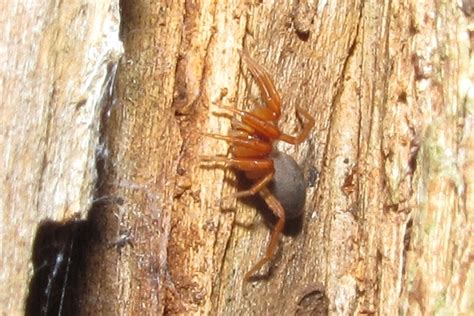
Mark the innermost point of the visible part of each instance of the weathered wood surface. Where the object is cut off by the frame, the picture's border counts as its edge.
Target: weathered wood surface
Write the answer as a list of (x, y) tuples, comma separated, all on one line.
[(54, 70), (388, 222)]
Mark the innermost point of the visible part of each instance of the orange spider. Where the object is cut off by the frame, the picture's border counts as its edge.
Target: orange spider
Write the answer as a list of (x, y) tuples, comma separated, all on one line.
[(276, 176)]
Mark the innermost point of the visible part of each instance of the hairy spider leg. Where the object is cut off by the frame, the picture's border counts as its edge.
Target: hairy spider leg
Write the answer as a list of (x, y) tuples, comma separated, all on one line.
[(306, 128), (267, 88), (279, 212)]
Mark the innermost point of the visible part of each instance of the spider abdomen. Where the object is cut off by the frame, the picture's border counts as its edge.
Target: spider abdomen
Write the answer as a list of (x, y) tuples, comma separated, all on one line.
[(288, 184)]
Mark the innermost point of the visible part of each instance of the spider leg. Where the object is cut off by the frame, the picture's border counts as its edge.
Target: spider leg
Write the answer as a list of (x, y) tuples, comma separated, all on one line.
[(245, 146), (257, 187), (306, 128), (241, 128), (249, 165), (244, 164), (237, 125), (259, 125), (267, 88), (278, 210)]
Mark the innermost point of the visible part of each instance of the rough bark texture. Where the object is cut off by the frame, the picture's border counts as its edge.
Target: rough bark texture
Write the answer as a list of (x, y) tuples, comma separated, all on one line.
[(55, 63), (387, 228)]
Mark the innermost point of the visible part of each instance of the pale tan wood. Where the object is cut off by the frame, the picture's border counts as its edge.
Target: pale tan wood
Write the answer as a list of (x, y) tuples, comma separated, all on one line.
[(54, 71)]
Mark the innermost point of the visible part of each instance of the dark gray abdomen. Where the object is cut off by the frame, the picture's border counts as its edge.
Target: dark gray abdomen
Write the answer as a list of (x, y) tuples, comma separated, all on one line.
[(288, 184)]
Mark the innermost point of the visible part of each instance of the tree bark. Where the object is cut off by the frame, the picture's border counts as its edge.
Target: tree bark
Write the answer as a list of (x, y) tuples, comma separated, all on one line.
[(388, 219)]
